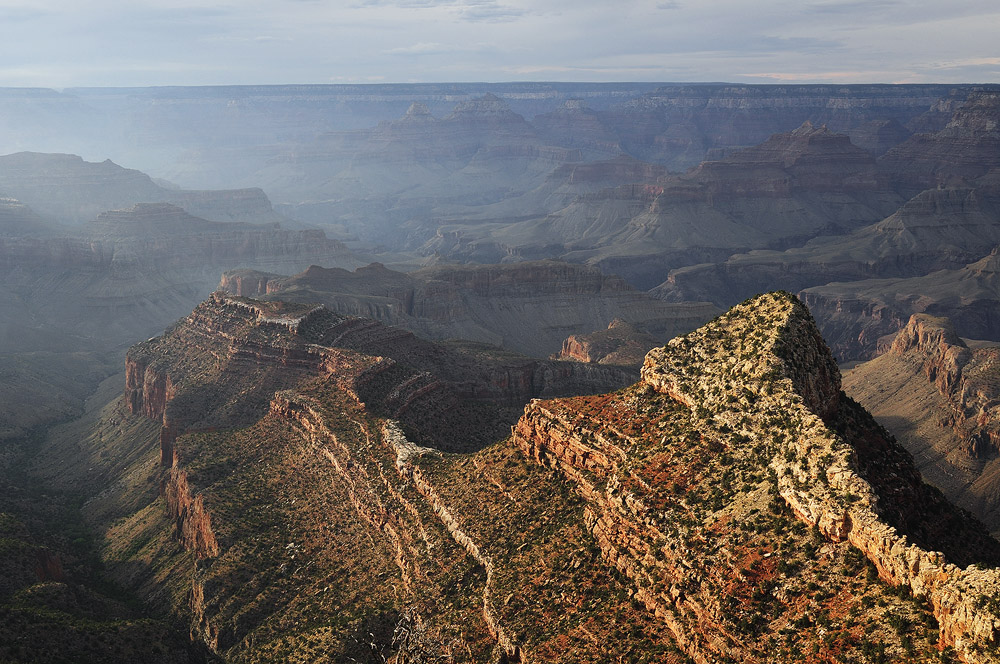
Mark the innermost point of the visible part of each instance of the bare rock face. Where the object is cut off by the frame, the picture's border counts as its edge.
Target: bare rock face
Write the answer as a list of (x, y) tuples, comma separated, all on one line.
[(528, 307), (860, 318), (622, 343), (938, 396), (964, 150), (936, 338)]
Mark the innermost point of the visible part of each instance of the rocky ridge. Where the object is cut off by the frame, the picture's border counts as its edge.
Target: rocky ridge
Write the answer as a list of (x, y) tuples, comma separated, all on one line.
[(302, 473), (412, 380), (761, 364), (293, 365)]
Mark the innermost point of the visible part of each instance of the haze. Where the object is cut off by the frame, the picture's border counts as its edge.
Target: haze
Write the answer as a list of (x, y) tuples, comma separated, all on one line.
[(55, 43)]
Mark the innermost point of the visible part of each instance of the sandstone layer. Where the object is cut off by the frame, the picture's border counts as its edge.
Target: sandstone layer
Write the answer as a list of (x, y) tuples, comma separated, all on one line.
[(622, 343)]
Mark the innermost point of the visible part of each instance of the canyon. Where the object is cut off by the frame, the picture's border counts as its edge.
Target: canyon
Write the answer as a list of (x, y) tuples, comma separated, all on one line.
[(466, 389), (689, 515), (529, 307)]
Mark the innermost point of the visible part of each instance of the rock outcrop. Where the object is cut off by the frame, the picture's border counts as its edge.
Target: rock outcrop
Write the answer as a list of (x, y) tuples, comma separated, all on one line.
[(528, 307), (860, 318), (938, 395), (622, 344), (761, 373)]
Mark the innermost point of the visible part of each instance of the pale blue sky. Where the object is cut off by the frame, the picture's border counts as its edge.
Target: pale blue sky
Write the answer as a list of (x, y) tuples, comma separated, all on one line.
[(58, 43)]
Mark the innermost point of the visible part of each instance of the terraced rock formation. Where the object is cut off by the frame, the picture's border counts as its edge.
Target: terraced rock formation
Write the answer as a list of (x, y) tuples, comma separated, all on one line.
[(732, 505), (795, 185), (965, 149), (861, 318), (939, 229), (291, 378), (863, 286), (938, 395), (529, 307), (759, 398)]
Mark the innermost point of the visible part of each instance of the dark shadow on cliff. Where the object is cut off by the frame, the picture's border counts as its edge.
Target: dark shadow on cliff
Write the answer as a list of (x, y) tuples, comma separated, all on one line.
[(915, 509)]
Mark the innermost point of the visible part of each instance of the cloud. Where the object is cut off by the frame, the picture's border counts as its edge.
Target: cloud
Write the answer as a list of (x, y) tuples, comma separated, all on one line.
[(406, 4), (21, 14), (101, 42), (968, 62), (852, 7), (489, 11), (467, 10), (807, 77), (421, 48)]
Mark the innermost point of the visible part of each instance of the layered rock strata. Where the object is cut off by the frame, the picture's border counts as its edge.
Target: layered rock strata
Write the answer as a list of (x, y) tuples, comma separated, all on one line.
[(242, 379), (529, 307), (938, 229), (681, 505), (622, 344), (861, 318), (762, 373), (938, 395)]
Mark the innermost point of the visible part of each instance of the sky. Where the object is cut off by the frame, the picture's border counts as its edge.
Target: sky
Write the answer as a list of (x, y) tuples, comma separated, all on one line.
[(67, 43)]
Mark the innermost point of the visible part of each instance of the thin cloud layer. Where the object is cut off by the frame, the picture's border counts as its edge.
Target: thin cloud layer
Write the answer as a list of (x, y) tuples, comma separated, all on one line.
[(54, 43)]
